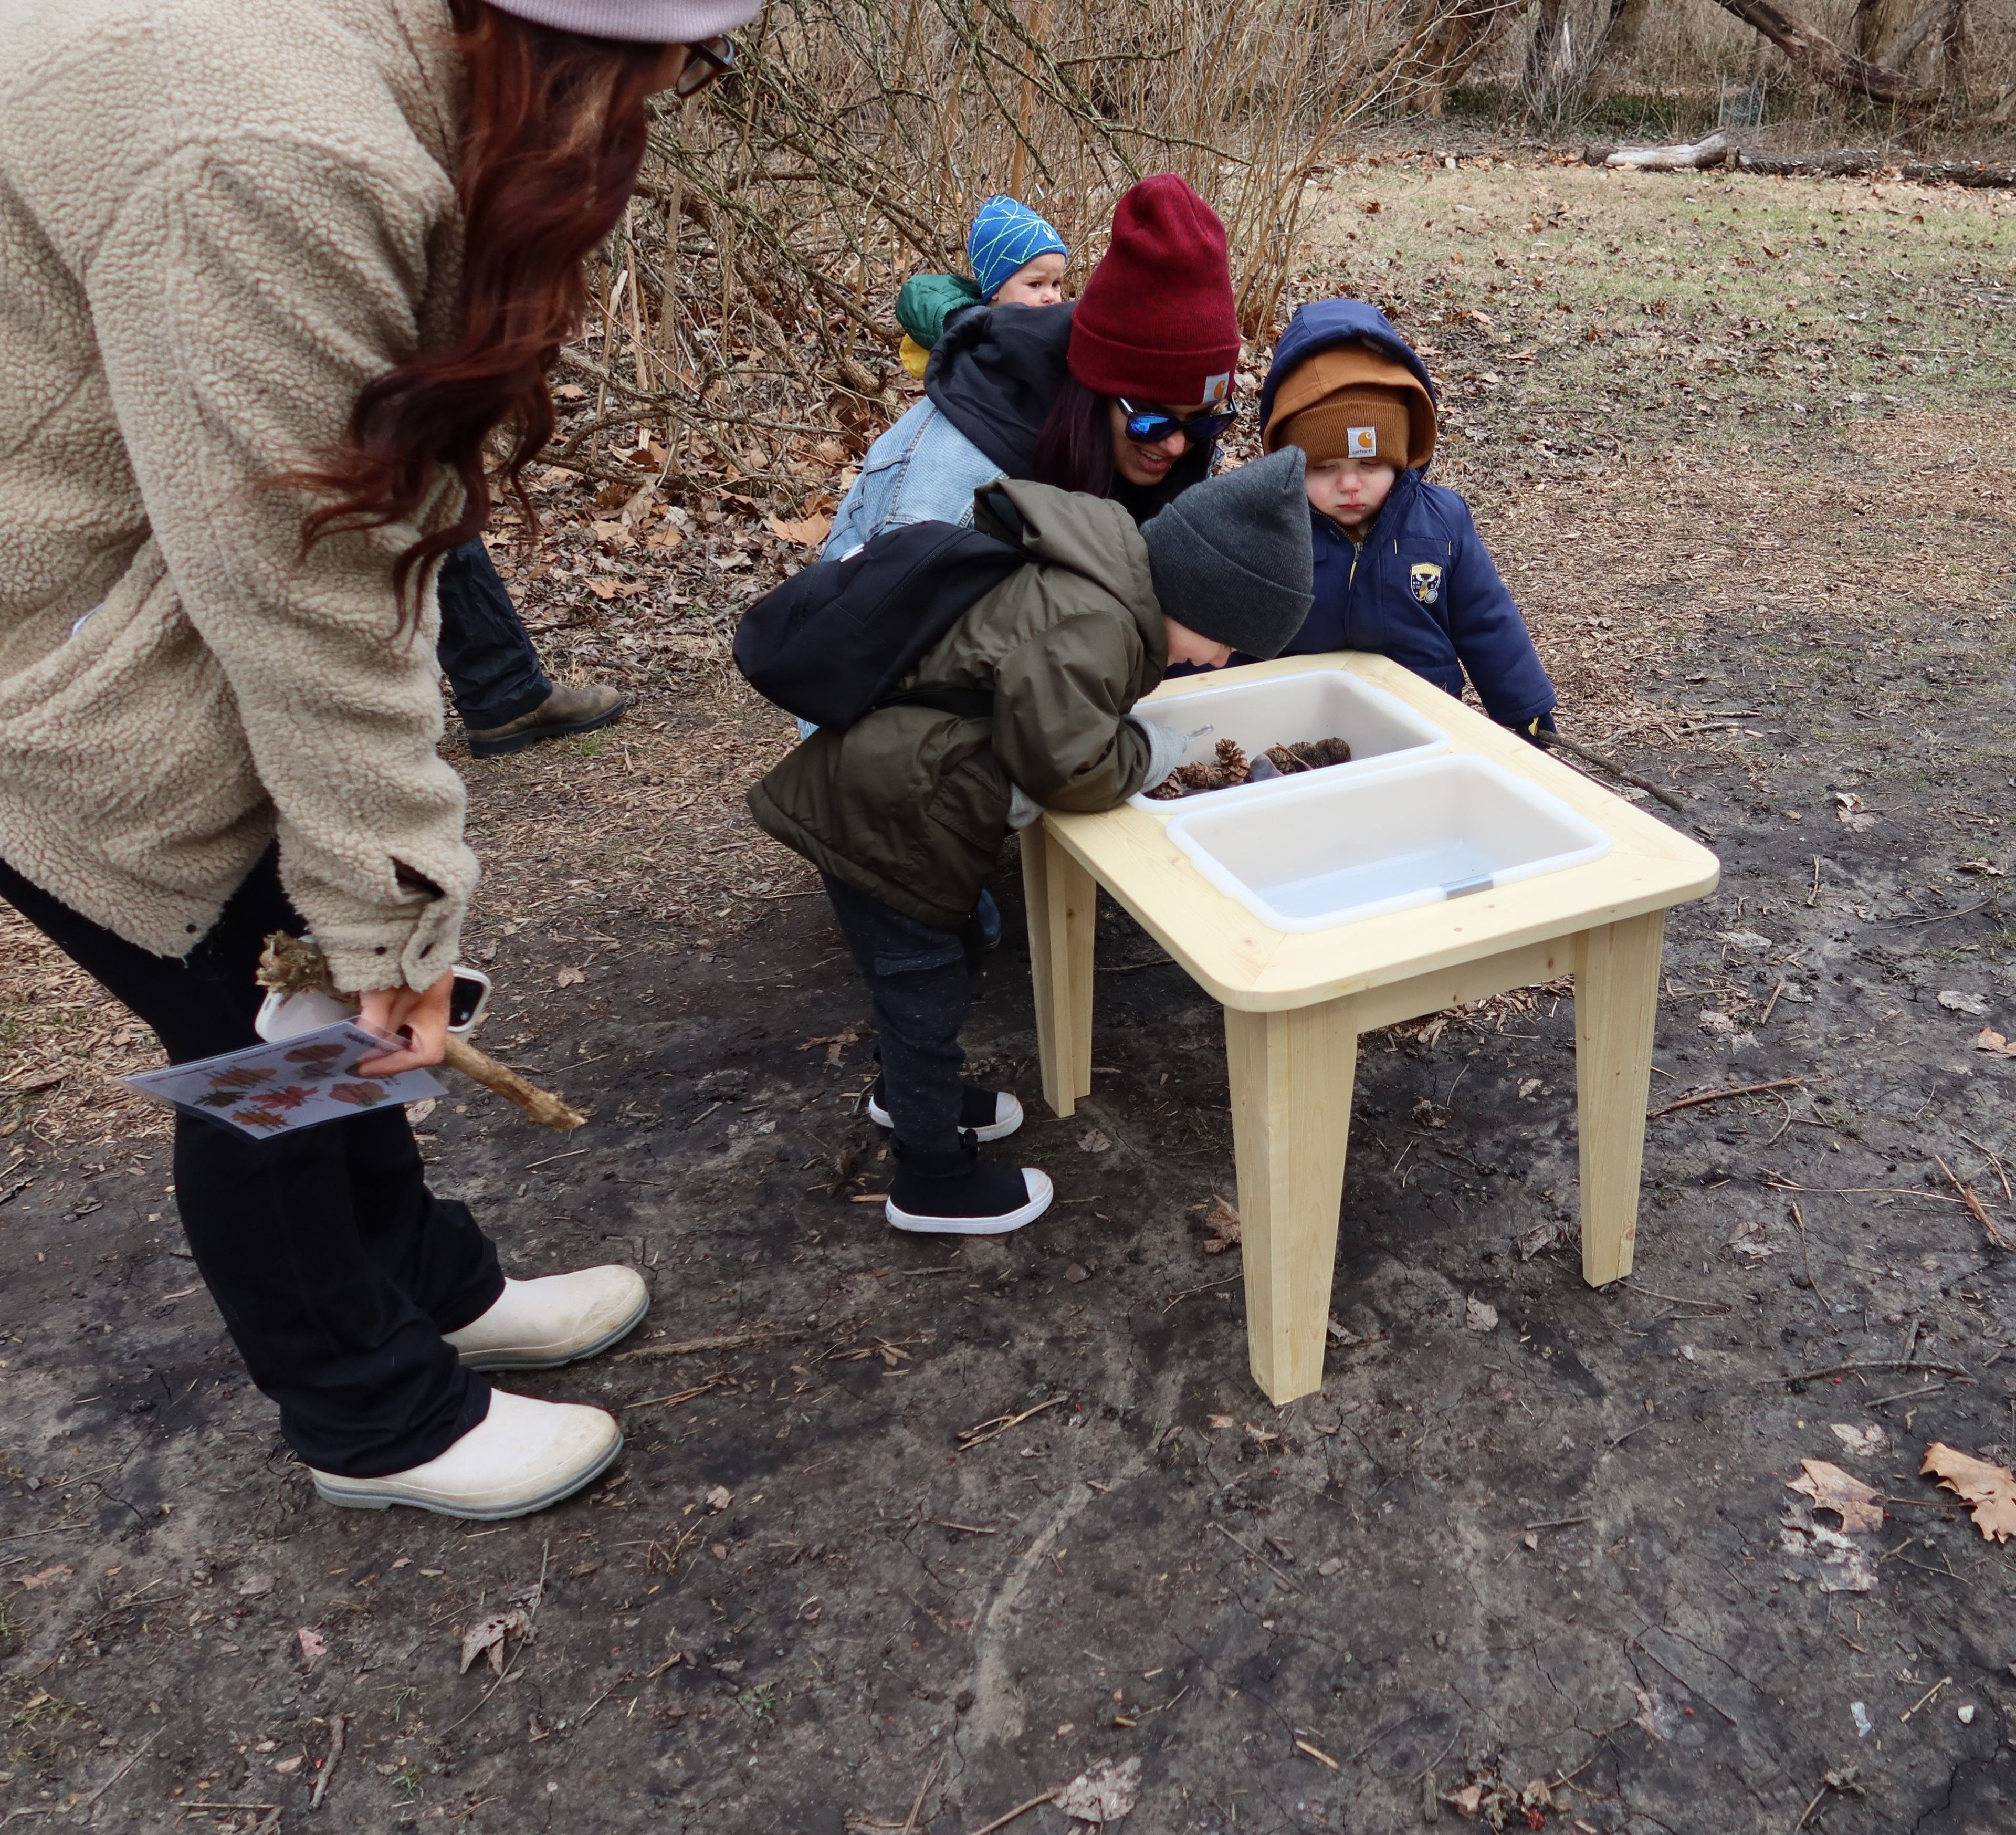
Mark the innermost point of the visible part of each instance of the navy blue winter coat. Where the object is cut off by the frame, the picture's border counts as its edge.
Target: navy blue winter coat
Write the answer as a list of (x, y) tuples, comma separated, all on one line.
[(1421, 588)]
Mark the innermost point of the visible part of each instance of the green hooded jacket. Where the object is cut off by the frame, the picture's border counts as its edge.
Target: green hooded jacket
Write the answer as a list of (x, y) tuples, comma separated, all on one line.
[(911, 805)]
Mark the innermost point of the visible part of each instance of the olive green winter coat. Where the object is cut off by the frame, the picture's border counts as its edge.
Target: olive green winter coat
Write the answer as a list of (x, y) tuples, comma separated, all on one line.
[(910, 805)]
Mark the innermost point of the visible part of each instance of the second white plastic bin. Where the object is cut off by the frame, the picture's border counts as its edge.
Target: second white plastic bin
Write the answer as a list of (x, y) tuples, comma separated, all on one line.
[(1329, 848)]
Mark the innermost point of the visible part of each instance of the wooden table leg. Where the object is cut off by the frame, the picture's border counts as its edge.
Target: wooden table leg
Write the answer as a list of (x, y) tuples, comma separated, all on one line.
[(1617, 998), (1291, 1079), (1062, 897)]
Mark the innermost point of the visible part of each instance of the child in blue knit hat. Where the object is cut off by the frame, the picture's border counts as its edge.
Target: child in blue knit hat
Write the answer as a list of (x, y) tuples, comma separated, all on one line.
[(1018, 260)]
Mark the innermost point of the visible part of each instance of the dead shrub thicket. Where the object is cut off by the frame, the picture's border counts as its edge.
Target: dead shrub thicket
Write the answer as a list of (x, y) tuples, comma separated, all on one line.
[(746, 322)]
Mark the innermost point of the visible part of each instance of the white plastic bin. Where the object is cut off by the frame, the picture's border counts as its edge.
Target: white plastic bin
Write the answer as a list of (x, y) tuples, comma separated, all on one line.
[(1328, 848), (1381, 729)]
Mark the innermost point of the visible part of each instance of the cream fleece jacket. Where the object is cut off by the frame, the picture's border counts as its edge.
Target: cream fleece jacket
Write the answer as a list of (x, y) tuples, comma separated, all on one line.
[(219, 220)]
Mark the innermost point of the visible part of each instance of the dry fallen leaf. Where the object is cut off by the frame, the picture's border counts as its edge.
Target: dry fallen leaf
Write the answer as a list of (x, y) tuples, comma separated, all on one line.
[(1990, 1489), (486, 1638), (313, 1645), (1955, 1000), (720, 1498), (56, 1576), (569, 977), (1868, 1442), (1103, 1793), (1832, 1489), (1992, 1041), (1095, 1140), (1222, 1221), (1480, 1315), (807, 532)]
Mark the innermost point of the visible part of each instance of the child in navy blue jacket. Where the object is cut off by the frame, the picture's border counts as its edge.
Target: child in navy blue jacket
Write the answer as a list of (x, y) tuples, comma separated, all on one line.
[(1400, 568)]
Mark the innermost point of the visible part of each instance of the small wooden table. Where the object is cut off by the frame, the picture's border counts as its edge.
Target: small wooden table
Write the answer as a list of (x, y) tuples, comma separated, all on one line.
[(1295, 1003)]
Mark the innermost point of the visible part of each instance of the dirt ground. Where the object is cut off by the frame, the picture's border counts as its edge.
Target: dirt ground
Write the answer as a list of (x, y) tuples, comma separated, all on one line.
[(932, 1526)]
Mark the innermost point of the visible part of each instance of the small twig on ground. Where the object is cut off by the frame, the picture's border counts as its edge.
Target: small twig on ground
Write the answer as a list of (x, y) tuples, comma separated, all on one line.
[(1020, 1809), (1770, 1006), (337, 1728), (1255, 1555), (1994, 1159), (983, 1431), (1677, 1299), (138, 1753), (693, 1347), (674, 1401), (1209, 1287), (1846, 1370), (1813, 897), (1318, 1754), (1974, 1207), (1718, 1096), (525, 1637), (1806, 1253), (923, 1790), (1944, 1681)]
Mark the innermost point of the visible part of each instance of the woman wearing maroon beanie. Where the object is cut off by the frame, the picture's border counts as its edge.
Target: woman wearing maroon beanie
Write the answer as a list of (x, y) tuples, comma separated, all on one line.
[(1122, 395)]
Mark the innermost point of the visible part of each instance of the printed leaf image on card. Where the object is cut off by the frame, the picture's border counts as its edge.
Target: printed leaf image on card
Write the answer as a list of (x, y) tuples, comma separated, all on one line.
[(273, 1089)]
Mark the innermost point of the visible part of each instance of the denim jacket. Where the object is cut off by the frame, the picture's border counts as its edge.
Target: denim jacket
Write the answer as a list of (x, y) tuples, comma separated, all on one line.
[(923, 470)]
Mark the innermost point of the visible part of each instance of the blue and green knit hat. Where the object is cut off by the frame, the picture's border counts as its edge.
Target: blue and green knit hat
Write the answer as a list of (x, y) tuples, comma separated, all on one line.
[(1007, 234)]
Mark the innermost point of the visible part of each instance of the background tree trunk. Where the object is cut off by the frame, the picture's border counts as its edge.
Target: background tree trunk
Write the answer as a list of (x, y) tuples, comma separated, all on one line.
[(1877, 23), (1451, 35), (1620, 35), (1821, 60), (1540, 49)]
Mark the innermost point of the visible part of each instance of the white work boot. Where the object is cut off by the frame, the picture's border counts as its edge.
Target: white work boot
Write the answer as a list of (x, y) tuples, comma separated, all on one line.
[(538, 1325), (523, 1455)]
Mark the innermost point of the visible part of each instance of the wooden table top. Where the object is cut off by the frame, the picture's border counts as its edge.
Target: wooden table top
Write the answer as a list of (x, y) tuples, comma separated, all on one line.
[(1244, 963)]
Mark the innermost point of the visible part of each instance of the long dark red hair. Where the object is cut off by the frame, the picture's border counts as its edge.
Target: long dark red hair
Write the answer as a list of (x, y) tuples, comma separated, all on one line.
[(553, 132)]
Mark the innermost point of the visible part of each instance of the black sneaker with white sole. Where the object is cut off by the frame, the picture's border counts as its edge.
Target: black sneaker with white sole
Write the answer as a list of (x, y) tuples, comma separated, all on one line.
[(986, 1114), (953, 1195)]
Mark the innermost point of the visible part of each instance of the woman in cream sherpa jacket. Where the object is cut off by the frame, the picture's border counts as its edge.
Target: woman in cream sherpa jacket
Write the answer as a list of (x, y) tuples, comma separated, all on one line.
[(220, 219)]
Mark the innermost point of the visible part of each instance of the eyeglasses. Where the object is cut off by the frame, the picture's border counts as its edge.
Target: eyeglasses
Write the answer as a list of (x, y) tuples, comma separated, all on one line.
[(705, 61), (1150, 427)]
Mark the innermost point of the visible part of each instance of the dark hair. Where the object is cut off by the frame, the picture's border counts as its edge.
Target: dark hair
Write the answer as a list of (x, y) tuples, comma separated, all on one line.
[(1074, 449), (553, 133)]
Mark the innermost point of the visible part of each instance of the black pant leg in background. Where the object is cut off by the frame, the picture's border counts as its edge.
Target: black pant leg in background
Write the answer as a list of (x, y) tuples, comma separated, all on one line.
[(335, 1268), (484, 650), (917, 977)]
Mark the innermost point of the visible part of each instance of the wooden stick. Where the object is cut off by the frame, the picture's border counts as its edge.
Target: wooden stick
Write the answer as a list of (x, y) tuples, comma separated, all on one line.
[(295, 965), (1974, 1207), (1718, 1096), (541, 1105), (1020, 1809), (1554, 741)]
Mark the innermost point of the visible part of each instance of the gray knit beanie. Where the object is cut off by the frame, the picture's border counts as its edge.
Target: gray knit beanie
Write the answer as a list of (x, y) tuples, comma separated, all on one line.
[(1233, 558), (645, 22)]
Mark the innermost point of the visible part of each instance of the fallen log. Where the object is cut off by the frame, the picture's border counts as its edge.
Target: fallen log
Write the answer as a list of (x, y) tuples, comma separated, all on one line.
[(1847, 162), (1855, 162), (1688, 157)]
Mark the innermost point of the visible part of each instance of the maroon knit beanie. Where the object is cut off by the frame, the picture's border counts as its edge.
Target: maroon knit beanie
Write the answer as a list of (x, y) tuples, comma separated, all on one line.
[(1155, 322)]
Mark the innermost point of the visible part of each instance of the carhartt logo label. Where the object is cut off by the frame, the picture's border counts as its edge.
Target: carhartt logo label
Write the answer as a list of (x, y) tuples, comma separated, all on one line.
[(1364, 442), (1216, 388)]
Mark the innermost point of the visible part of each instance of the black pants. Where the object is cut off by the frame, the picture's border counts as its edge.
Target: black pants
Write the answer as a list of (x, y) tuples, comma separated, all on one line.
[(335, 1268), (918, 979), (484, 650)]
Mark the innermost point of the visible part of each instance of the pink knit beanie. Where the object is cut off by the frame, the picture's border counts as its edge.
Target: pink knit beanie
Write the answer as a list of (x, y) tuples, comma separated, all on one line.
[(647, 22)]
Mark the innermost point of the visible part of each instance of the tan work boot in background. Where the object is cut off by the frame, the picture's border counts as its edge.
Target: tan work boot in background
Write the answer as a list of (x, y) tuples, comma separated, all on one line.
[(564, 711)]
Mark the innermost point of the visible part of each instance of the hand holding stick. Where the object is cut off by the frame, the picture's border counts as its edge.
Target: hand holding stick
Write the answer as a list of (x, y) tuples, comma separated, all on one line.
[(294, 965)]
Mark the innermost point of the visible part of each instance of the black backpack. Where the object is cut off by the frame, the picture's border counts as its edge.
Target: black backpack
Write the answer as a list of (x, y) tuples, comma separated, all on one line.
[(830, 644)]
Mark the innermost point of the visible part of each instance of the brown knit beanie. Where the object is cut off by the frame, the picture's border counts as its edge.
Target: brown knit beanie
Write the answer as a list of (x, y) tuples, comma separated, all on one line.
[(1349, 402)]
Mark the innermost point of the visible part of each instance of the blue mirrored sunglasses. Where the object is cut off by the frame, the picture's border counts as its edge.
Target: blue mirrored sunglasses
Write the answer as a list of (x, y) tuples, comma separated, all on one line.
[(1150, 427)]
